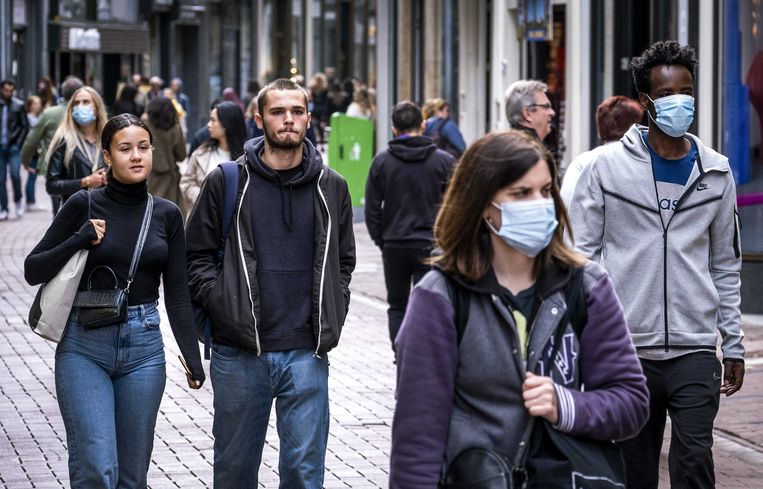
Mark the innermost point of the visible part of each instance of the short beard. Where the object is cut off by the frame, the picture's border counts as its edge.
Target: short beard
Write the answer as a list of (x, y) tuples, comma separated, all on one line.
[(284, 146)]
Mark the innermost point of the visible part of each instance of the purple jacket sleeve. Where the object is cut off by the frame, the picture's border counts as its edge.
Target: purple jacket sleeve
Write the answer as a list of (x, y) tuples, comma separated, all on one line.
[(426, 371), (615, 403)]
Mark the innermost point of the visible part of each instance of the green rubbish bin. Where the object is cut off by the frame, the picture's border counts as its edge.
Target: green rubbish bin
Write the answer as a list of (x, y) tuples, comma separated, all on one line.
[(351, 149)]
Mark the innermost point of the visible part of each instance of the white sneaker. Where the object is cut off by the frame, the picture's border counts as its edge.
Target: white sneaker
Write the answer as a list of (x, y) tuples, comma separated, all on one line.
[(19, 209), (3, 215), (34, 207)]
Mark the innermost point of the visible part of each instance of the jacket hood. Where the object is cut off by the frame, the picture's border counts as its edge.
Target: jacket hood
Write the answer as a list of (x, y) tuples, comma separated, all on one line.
[(312, 163), (412, 149), (551, 280), (633, 143)]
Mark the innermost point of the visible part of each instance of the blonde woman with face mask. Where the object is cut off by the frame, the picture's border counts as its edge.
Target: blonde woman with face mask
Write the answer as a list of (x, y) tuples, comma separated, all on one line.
[(75, 159)]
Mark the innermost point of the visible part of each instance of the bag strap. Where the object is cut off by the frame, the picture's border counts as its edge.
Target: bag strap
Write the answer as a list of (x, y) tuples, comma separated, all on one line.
[(230, 171), (460, 299), (141, 240), (576, 314)]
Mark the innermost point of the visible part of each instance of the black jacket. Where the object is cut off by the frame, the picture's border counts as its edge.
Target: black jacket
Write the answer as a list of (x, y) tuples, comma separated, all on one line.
[(18, 127), (231, 296), (404, 189), (64, 181)]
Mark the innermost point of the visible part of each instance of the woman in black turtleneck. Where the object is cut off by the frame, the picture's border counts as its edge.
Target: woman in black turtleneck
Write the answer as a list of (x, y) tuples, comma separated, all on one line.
[(110, 380)]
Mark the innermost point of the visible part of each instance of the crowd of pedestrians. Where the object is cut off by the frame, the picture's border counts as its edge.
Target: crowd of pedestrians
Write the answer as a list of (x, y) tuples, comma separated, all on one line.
[(523, 305)]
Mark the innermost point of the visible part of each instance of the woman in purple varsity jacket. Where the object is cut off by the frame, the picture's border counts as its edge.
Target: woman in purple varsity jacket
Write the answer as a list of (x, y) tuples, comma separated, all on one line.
[(500, 229)]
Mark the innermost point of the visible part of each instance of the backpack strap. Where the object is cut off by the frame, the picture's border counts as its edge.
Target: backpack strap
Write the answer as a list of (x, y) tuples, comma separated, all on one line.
[(460, 298), (574, 295), (230, 171)]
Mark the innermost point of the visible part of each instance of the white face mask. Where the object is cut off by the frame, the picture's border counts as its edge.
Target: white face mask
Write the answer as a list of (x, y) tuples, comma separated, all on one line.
[(527, 225), (675, 114)]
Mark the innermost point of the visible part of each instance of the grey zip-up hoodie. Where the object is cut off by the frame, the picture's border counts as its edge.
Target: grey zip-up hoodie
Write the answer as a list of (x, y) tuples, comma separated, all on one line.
[(678, 280)]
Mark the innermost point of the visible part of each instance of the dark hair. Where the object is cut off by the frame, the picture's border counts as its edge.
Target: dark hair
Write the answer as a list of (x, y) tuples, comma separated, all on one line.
[(119, 122), (70, 85), (7, 82), (232, 120), (491, 163), (279, 84), (661, 53), (161, 113), (406, 117), (46, 94), (615, 115)]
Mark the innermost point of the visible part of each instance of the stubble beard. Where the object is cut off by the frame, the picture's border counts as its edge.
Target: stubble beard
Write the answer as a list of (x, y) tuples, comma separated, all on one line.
[(274, 143)]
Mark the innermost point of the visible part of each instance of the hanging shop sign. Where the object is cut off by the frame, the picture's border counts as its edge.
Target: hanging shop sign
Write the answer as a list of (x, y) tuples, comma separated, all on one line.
[(84, 39), (537, 20)]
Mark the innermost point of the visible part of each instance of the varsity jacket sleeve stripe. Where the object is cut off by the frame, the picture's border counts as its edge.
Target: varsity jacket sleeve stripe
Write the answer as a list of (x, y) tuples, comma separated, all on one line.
[(725, 266)]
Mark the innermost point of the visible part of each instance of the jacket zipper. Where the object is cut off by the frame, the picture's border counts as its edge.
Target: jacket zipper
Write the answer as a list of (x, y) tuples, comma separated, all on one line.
[(665, 228), (241, 256), (500, 305), (323, 265)]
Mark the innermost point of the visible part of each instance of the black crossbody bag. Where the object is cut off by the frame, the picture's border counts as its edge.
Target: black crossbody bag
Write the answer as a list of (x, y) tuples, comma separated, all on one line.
[(547, 458), (103, 307)]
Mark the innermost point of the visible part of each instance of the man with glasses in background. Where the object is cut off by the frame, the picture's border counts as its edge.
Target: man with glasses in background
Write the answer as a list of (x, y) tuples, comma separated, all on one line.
[(529, 109)]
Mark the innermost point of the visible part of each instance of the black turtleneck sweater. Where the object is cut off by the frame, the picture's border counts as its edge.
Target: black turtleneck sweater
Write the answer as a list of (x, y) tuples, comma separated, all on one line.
[(122, 207)]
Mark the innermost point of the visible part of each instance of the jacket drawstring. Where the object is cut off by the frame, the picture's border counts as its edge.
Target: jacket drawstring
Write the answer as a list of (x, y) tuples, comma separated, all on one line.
[(287, 220)]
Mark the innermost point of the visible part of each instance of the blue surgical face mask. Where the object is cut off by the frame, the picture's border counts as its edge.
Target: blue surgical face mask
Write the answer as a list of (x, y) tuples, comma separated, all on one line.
[(83, 114), (675, 114), (527, 225)]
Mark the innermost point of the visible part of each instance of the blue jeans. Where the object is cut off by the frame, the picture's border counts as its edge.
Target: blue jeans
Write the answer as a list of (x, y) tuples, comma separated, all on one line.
[(10, 158), (244, 387), (109, 383), (30, 181)]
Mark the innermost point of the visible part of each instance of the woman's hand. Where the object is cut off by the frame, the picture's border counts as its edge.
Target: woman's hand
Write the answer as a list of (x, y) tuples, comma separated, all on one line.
[(100, 230), (540, 397), (193, 384), (96, 179)]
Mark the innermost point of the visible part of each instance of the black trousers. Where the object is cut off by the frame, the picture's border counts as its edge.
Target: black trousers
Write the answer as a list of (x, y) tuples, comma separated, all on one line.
[(402, 268), (688, 388)]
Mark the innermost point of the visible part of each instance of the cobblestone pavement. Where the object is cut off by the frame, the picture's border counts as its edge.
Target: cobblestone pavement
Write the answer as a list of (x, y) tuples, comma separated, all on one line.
[(33, 441)]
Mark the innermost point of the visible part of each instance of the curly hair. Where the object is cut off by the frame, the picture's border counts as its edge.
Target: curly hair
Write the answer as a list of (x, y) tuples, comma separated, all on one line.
[(659, 54)]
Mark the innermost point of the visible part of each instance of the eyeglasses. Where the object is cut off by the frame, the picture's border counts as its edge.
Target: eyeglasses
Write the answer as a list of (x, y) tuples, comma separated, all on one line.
[(542, 106)]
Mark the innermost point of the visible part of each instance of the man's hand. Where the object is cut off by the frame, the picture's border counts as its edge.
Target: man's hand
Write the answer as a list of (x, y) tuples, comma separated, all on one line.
[(540, 397), (733, 376)]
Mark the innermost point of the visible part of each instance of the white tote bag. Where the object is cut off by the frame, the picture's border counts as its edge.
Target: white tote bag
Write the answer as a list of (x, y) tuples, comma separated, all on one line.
[(53, 303)]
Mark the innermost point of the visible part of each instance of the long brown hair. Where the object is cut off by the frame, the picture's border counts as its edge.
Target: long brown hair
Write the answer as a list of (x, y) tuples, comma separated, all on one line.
[(491, 163)]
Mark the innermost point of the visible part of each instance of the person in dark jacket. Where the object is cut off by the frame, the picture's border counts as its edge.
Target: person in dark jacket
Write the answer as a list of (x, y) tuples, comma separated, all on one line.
[(403, 192), (75, 156), (279, 298), (13, 130), (500, 229)]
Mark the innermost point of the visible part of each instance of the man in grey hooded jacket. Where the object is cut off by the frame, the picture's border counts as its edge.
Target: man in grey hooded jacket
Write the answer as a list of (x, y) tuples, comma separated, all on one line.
[(660, 207)]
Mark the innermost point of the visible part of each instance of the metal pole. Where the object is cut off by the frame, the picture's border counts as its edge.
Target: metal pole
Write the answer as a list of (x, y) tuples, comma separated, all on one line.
[(386, 63), (6, 39)]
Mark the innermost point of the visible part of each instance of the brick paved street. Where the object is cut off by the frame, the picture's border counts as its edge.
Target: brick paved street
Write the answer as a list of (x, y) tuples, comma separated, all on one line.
[(32, 436)]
